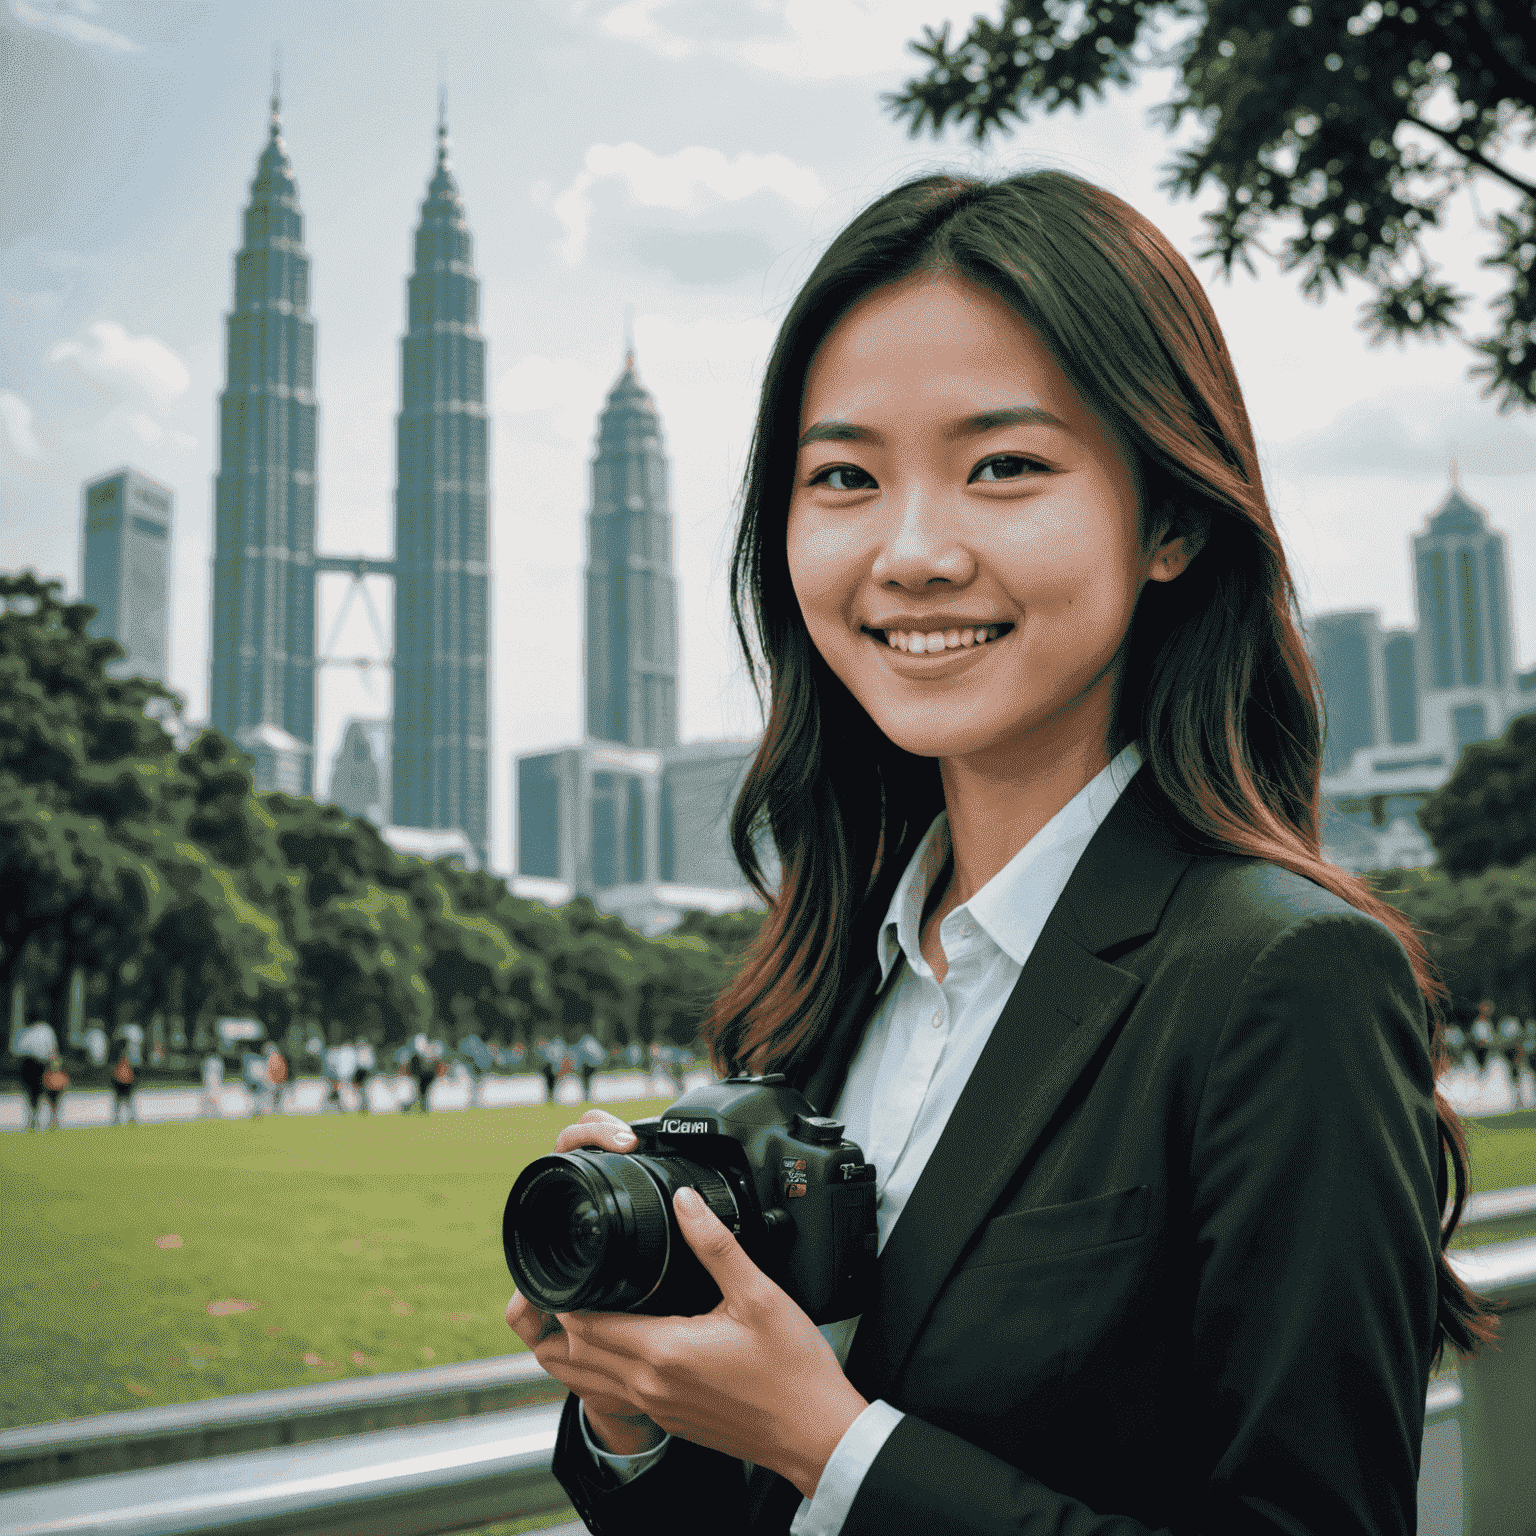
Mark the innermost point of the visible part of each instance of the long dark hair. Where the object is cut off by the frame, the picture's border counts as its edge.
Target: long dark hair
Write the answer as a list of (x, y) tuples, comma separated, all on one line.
[(1216, 686)]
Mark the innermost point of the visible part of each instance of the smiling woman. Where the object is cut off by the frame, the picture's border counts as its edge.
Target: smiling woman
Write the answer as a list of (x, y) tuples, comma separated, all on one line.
[(1144, 1080)]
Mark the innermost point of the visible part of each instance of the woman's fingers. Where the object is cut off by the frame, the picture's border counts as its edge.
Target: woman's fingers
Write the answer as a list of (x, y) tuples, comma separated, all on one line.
[(596, 1128), (546, 1341)]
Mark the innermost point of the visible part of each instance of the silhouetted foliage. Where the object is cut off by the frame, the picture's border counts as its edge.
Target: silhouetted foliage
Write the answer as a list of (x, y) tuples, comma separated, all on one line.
[(1485, 813), (1301, 110), (180, 891)]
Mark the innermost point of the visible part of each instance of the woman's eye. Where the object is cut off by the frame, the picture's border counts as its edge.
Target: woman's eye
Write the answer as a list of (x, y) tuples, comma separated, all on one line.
[(843, 477), (1005, 466)]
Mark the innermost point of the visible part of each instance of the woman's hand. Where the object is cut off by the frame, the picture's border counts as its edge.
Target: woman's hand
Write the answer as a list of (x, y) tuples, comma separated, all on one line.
[(614, 1419), (753, 1378)]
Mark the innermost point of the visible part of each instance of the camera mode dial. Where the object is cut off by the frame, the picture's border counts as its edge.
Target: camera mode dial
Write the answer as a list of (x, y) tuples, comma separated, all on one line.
[(819, 1130)]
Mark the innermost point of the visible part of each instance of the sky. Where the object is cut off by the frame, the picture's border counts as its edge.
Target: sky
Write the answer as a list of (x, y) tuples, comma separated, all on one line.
[(686, 158)]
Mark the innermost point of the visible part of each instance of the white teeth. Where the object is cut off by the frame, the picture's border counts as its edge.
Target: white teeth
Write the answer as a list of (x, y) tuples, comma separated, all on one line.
[(917, 643)]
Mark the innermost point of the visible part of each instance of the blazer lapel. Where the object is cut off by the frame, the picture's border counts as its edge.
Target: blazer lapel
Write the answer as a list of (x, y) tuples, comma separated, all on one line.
[(1066, 1003)]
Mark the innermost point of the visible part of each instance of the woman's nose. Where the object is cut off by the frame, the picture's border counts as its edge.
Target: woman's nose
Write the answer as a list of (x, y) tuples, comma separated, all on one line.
[(923, 542)]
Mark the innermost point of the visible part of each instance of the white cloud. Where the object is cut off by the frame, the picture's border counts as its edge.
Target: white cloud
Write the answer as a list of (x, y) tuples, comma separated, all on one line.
[(121, 366), (17, 420), (66, 18), (688, 181), (802, 39)]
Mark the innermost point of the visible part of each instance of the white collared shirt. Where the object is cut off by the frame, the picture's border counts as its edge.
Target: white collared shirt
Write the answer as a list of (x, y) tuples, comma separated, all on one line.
[(917, 1055)]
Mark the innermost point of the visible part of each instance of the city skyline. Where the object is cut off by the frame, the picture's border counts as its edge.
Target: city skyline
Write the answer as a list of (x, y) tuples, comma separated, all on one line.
[(693, 173)]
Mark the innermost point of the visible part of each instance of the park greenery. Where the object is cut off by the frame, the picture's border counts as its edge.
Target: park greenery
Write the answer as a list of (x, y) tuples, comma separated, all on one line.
[(1348, 126), (1476, 906), (179, 894)]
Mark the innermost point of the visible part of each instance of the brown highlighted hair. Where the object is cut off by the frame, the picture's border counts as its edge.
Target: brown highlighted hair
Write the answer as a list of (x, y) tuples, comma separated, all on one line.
[(1217, 686)]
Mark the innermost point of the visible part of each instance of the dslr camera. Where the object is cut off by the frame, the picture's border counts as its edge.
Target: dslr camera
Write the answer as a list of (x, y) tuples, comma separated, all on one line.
[(595, 1231)]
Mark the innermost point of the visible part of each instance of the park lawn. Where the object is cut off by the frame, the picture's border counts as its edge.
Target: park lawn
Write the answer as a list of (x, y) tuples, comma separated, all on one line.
[(370, 1243)]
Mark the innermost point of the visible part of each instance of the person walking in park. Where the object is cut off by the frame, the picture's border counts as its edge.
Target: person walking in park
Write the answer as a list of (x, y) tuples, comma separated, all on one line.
[(550, 1055), (55, 1081), (591, 1056), (277, 1076), (1482, 1033), (331, 1066), (1148, 1085), (362, 1072), (427, 1068), (36, 1046), (122, 1088), (213, 1085)]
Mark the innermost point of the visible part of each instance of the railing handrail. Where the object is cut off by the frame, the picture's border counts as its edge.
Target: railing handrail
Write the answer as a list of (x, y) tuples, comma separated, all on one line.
[(1496, 1204), (395, 1482), (424, 1478)]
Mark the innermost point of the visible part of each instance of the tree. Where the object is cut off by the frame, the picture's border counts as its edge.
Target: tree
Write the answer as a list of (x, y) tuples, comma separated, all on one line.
[(1351, 124), (1485, 813), (1480, 930)]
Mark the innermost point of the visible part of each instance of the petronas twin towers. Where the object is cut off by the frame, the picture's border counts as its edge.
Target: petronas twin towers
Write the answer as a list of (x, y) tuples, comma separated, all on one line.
[(265, 565)]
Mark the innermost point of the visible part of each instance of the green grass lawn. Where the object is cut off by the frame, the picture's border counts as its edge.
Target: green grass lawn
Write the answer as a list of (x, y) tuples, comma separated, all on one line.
[(367, 1244)]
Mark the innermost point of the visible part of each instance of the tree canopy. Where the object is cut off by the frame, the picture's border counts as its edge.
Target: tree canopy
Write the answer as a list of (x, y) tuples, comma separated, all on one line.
[(1350, 125), (175, 889), (1485, 813)]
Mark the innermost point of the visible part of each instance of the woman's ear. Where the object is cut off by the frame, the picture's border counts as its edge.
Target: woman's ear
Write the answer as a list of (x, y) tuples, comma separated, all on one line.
[(1179, 534)]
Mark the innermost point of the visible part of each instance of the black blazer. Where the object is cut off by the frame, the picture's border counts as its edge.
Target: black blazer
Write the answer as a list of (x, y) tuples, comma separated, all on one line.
[(1172, 1265)]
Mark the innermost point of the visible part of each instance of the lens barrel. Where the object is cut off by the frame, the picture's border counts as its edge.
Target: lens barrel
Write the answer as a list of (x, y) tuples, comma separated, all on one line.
[(595, 1231)]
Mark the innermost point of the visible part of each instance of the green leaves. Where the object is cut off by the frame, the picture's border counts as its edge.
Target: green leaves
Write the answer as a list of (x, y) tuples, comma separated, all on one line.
[(173, 883), (1348, 126), (1485, 813)]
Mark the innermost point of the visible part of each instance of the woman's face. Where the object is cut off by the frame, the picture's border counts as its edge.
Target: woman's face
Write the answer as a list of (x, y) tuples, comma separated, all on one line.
[(964, 531)]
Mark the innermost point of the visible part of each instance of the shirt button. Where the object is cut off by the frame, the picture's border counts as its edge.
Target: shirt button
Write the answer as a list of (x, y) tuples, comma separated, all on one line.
[(938, 1019)]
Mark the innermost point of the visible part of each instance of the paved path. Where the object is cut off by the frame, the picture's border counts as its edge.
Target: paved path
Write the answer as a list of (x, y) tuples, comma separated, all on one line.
[(1492, 1093), (306, 1096)]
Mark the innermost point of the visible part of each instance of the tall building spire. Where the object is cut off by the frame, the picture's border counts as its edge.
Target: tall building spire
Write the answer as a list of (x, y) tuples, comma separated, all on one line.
[(263, 645), (440, 742), (631, 619)]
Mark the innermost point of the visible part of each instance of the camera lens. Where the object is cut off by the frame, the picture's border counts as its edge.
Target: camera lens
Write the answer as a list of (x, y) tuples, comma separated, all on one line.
[(595, 1231)]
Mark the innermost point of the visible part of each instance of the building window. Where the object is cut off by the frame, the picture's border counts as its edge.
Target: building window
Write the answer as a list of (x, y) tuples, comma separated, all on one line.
[(1471, 651), (1470, 723), (1433, 594)]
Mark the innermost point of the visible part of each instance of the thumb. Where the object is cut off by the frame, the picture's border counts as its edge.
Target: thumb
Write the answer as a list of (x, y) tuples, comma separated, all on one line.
[(713, 1243)]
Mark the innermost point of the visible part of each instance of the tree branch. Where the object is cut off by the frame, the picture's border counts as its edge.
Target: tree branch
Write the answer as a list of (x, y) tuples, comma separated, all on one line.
[(1473, 156)]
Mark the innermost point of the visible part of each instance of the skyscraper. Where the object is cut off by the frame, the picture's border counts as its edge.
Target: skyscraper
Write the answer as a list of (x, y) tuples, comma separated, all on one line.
[(263, 643), (439, 770), (125, 569), (631, 616), (1461, 582)]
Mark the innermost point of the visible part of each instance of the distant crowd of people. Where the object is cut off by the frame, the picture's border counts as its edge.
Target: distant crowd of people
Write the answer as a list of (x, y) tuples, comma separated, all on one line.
[(268, 1072), (1487, 1035)]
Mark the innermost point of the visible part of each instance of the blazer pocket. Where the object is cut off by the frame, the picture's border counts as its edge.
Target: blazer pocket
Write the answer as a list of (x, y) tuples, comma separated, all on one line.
[(1052, 1231)]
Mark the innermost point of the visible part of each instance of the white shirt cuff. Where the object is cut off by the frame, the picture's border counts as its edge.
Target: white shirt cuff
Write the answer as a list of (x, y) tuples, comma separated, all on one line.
[(622, 1467), (845, 1471)]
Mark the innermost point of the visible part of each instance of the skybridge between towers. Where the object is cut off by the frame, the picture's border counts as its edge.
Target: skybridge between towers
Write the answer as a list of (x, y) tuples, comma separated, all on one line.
[(266, 569)]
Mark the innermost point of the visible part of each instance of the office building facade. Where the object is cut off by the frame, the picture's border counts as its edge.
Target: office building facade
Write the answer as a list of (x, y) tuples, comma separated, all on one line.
[(125, 569), (263, 641), (631, 610), (630, 818), (439, 772), (1402, 705)]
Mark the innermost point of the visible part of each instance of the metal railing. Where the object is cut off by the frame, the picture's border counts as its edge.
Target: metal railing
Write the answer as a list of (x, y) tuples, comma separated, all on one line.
[(448, 1448)]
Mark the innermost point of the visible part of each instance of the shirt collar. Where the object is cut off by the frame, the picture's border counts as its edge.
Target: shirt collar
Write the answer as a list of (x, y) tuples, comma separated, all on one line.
[(1012, 907)]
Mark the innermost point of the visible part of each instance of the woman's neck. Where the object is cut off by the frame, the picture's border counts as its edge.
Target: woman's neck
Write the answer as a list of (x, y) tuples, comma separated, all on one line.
[(993, 813)]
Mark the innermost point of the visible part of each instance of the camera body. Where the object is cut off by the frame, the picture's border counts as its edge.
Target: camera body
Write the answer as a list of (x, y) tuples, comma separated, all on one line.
[(596, 1230)]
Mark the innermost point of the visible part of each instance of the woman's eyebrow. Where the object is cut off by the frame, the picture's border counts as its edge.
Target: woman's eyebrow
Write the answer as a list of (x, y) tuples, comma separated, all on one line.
[(840, 432), (834, 431), (1008, 416)]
